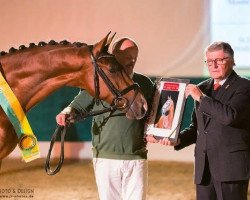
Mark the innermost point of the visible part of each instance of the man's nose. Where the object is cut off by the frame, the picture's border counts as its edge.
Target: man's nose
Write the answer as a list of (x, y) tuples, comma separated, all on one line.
[(214, 64)]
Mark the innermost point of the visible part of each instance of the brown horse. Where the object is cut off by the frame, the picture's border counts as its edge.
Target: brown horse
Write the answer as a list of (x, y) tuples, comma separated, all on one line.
[(167, 115), (36, 71)]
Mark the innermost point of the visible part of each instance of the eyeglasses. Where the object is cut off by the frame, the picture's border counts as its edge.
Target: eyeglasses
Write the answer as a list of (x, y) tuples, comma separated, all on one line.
[(217, 61)]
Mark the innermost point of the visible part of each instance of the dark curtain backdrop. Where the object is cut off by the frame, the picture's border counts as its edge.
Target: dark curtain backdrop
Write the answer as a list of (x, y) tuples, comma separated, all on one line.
[(42, 116)]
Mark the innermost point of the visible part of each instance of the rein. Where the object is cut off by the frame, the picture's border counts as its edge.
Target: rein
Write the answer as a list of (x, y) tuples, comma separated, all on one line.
[(60, 130)]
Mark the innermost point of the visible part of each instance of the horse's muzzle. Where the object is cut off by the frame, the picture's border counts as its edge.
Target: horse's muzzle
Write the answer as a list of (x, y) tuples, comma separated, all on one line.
[(138, 108)]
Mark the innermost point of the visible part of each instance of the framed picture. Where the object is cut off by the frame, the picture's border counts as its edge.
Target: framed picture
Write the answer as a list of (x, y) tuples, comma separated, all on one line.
[(167, 108)]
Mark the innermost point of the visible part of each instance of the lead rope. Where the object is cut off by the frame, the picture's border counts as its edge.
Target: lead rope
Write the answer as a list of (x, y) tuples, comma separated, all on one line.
[(60, 130)]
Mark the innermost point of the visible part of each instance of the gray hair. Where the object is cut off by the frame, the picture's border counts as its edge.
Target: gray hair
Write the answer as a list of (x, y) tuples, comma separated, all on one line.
[(220, 45)]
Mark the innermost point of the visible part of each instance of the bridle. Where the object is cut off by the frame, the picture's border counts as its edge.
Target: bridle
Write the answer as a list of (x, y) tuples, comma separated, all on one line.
[(118, 95), (119, 102)]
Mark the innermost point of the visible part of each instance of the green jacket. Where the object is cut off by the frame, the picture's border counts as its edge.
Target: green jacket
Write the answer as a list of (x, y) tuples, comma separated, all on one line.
[(118, 137)]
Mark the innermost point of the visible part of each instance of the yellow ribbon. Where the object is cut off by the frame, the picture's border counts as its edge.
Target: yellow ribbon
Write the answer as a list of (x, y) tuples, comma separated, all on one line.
[(13, 109)]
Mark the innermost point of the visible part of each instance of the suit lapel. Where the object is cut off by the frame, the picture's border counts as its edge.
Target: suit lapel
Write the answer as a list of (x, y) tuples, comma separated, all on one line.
[(207, 91), (221, 93), (226, 86), (208, 87)]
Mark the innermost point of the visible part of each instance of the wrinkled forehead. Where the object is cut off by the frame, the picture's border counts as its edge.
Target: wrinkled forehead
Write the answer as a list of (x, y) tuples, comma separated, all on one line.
[(220, 48), (219, 52)]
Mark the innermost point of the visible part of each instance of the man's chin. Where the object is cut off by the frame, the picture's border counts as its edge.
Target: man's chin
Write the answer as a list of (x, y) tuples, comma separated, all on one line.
[(215, 76)]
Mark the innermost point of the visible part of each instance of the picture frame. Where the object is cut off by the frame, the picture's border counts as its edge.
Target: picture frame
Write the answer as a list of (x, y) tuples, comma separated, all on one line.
[(167, 108)]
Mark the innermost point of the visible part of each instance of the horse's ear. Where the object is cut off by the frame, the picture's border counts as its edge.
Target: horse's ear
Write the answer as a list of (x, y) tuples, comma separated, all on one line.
[(109, 41), (101, 45)]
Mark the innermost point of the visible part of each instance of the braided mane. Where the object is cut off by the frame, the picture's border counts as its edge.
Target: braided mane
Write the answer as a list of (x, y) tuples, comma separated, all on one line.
[(41, 44)]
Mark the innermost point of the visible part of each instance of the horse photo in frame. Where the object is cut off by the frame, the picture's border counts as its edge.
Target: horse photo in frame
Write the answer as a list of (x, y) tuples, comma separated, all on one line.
[(167, 108)]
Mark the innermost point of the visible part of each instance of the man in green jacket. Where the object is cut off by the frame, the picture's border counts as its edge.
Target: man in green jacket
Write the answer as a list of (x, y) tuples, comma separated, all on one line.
[(119, 147)]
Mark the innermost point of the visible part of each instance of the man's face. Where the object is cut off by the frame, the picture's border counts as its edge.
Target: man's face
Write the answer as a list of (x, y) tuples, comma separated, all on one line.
[(127, 56), (219, 64)]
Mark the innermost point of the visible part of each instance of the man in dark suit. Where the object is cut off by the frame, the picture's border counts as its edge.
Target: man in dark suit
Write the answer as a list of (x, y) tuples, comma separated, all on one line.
[(220, 128)]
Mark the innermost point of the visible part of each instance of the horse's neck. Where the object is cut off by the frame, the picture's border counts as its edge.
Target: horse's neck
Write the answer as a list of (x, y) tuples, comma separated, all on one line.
[(33, 77)]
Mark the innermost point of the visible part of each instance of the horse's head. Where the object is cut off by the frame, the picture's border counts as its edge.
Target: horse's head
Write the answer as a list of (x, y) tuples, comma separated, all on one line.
[(113, 84), (167, 106)]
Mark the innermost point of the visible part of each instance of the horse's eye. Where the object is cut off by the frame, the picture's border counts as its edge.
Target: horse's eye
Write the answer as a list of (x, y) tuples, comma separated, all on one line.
[(113, 69)]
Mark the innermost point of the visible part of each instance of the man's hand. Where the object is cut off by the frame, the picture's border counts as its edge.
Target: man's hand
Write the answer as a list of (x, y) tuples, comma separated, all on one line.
[(194, 91), (163, 141), (151, 139), (61, 119), (68, 115), (167, 142)]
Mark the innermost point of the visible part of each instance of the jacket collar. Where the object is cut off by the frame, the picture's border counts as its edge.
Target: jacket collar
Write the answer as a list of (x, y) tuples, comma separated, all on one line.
[(230, 80)]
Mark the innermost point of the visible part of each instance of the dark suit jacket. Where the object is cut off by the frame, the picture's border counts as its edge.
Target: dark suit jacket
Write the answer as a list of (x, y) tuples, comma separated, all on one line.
[(221, 129)]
